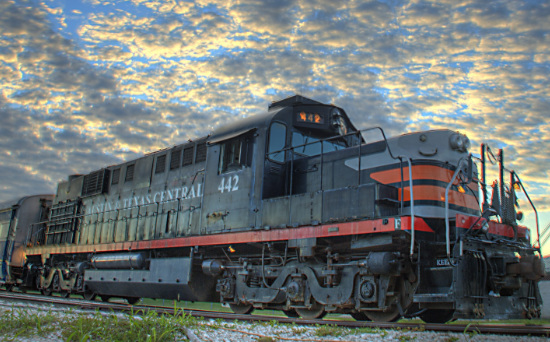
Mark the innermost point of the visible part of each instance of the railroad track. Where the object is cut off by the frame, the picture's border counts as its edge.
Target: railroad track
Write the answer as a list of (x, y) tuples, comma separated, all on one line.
[(466, 327)]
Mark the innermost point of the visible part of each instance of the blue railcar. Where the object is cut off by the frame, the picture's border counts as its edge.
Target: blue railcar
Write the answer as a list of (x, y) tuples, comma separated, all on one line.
[(16, 218)]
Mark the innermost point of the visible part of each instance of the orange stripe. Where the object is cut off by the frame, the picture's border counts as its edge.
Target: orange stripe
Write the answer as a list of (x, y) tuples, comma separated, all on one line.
[(429, 192), (437, 193), (430, 172)]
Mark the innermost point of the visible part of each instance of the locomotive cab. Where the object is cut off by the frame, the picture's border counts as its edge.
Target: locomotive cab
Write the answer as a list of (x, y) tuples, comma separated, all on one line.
[(252, 167)]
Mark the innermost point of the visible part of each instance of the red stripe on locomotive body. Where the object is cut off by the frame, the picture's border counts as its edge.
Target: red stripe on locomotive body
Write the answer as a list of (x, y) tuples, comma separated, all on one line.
[(429, 192), (495, 228), (283, 234), (419, 224)]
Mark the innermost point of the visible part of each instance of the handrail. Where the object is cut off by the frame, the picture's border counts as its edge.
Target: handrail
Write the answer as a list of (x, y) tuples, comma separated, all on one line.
[(286, 149), (411, 199), (447, 226), (292, 149), (518, 181)]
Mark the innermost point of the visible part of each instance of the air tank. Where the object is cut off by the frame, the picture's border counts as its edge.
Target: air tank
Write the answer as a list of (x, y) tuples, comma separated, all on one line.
[(119, 261)]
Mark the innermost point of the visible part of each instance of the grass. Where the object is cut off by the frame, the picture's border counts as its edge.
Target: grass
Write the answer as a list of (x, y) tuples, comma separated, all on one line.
[(19, 323), (16, 324), (329, 330), (150, 327)]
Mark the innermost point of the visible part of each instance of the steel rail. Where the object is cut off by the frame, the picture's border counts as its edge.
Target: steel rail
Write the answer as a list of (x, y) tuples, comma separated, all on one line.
[(466, 327)]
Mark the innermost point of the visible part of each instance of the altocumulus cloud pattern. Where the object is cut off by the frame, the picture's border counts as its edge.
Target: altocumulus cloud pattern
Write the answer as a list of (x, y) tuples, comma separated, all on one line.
[(88, 83)]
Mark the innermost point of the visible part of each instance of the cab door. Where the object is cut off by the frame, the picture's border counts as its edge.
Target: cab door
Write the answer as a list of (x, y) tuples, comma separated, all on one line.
[(275, 180), (229, 185)]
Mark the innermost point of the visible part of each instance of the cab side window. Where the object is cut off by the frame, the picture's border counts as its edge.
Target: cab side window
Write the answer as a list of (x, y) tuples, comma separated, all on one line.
[(236, 154), (277, 142)]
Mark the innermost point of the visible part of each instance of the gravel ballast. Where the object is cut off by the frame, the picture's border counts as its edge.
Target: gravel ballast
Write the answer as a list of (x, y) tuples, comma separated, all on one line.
[(217, 330)]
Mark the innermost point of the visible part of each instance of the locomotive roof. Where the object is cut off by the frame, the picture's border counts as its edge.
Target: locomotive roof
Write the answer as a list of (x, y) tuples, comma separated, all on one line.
[(247, 124), (17, 201), (263, 119), (243, 125)]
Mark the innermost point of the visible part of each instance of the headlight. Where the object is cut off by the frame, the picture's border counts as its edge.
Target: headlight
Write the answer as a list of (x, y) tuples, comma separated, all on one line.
[(338, 121), (335, 112), (459, 142)]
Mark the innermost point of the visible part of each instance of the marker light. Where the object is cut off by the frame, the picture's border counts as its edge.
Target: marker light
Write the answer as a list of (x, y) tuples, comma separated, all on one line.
[(519, 215), (461, 189)]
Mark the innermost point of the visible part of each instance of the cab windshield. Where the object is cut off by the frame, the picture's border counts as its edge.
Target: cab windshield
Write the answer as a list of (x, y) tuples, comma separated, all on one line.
[(308, 144)]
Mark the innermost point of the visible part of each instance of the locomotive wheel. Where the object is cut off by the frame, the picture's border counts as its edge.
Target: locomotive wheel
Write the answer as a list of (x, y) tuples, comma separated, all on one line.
[(405, 291), (132, 300), (55, 283), (241, 309), (437, 315), (46, 292), (291, 313), (65, 294), (359, 316), (9, 287), (37, 283), (391, 315), (317, 311), (89, 295)]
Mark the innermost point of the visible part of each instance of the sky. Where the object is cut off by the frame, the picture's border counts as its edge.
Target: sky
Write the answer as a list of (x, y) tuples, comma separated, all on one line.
[(91, 83)]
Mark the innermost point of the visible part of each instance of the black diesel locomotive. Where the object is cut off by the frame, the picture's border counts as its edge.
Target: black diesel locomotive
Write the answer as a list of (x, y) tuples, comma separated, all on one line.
[(294, 210)]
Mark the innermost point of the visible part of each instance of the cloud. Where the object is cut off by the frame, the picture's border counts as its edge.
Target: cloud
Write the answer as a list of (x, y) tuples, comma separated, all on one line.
[(94, 84)]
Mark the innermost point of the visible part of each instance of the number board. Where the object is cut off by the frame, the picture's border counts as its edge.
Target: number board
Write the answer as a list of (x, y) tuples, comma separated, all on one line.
[(314, 118), (310, 117)]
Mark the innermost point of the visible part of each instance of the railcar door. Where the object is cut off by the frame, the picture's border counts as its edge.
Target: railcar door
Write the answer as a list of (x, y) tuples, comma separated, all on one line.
[(228, 191)]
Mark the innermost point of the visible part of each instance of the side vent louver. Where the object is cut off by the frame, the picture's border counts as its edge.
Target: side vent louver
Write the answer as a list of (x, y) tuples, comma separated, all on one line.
[(116, 176), (96, 183), (201, 153), (161, 164), (188, 155), (175, 159), (129, 172)]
